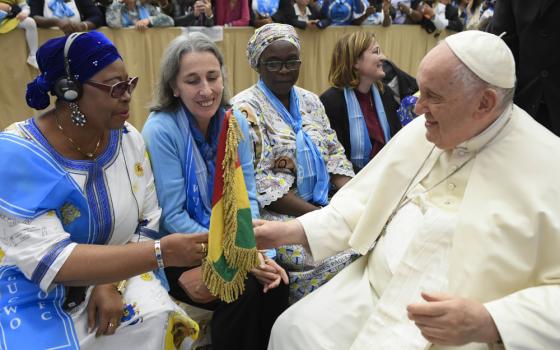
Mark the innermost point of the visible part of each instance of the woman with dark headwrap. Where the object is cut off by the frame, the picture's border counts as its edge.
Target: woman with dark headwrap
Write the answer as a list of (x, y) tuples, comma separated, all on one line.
[(79, 214), (298, 158)]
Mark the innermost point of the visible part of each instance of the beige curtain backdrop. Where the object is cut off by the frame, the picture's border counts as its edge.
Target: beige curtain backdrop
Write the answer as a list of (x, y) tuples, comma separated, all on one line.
[(405, 45)]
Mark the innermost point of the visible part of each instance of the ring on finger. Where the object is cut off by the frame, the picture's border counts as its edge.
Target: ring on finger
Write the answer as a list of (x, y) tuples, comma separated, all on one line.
[(203, 248)]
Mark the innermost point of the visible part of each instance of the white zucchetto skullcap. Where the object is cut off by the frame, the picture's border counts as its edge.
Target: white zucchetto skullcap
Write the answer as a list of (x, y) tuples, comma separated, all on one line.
[(487, 55)]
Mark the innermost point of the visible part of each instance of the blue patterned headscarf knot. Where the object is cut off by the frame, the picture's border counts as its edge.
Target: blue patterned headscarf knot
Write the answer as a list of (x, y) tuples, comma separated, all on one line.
[(265, 36), (90, 53)]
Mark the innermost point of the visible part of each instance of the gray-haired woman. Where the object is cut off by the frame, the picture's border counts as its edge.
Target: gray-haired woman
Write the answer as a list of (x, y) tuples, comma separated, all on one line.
[(181, 135)]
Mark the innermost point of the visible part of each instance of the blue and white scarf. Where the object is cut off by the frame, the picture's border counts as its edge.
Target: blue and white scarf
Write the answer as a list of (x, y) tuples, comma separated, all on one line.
[(35, 186), (360, 143), (312, 176), (60, 9), (200, 160)]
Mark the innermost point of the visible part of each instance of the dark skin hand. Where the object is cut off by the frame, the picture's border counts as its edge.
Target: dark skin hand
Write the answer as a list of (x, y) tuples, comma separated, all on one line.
[(104, 310), (65, 25)]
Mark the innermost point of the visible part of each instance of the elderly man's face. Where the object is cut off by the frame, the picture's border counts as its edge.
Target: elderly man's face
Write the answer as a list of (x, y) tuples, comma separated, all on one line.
[(444, 102)]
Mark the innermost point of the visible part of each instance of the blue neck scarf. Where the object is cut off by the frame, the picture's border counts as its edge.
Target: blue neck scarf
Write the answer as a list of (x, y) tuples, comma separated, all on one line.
[(60, 9), (312, 176), (200, 163), (142, 14), (360, 143)]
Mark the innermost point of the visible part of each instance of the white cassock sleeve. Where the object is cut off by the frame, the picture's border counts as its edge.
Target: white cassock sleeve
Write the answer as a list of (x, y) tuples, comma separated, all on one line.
[(528, 319), (327, 232)]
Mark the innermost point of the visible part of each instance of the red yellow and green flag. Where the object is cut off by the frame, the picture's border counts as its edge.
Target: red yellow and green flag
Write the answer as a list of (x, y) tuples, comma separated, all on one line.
[(232, 248)]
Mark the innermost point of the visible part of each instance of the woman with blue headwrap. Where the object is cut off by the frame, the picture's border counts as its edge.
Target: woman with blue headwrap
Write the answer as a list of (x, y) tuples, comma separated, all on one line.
[(182, 139), (79, 214), (298, 159)]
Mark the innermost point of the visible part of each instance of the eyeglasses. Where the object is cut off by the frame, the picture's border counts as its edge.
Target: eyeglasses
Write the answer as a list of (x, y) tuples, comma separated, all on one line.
[(118, 89), (275, 66)]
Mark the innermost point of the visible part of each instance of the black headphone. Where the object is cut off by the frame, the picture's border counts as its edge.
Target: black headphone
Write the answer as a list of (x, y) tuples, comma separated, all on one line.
[(66, 87)]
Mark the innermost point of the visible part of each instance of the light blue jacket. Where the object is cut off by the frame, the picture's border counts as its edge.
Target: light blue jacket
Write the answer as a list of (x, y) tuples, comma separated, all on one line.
[(166, 147)]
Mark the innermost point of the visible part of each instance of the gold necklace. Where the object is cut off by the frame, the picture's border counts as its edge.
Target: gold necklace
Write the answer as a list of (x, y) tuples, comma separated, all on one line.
[(74, 144)]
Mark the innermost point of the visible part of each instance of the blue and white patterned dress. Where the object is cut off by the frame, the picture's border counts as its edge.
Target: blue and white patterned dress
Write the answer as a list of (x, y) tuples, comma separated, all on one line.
[(119, 188)]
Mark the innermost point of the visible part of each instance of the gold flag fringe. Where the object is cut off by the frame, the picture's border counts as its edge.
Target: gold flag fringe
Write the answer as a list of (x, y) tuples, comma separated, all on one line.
[(243, 259), (226, 291)]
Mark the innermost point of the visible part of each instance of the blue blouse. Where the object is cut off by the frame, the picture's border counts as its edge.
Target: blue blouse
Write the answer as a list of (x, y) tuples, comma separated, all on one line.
[(166, 149)]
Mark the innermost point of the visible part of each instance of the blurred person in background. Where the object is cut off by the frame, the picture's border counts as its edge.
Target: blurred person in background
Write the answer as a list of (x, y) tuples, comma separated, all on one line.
[(139, 14), (68, 15), (377, 13), (434, 16), (15, 14), (192, 13), (343, 12), (302, 14), (532, 32), (232, 13)]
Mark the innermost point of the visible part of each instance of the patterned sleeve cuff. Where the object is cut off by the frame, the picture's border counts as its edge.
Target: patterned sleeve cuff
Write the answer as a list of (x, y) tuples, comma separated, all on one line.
[(340, 167), (271, 189)]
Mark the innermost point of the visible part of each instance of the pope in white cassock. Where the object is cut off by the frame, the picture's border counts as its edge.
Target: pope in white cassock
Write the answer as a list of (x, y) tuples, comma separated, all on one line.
[(458, 221)]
